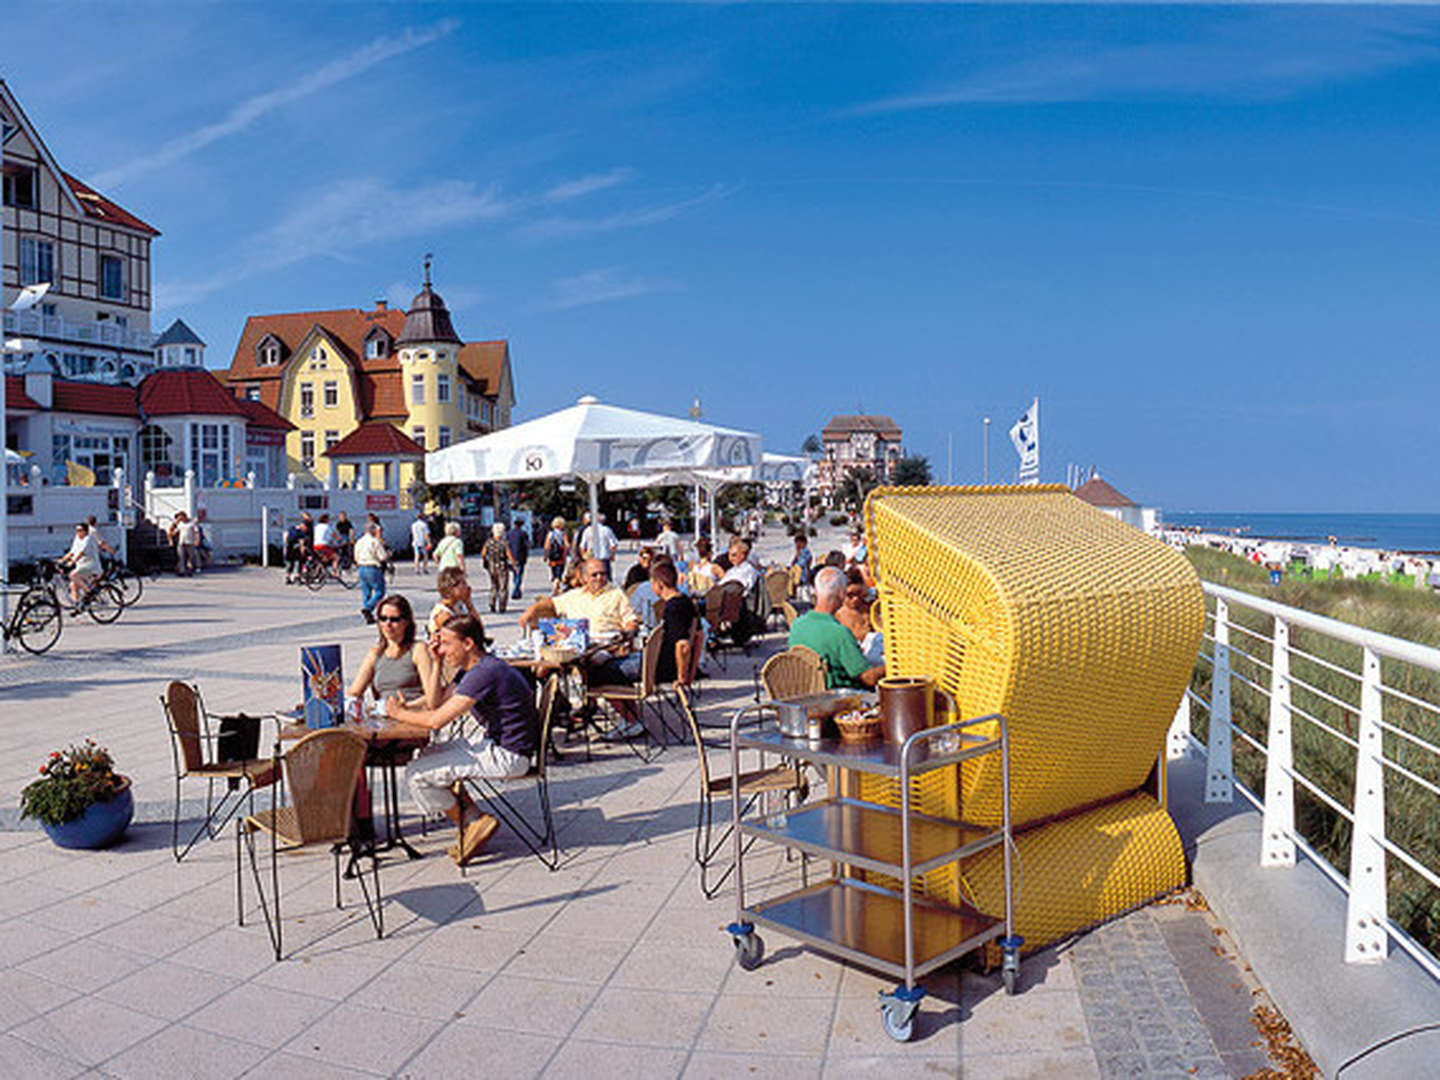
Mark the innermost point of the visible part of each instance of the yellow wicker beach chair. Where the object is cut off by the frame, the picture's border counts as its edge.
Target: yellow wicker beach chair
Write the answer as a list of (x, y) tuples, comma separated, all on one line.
[(1082, 631)]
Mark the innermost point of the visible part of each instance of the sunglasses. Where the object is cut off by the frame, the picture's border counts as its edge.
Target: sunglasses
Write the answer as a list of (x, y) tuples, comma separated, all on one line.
[(390, 618)]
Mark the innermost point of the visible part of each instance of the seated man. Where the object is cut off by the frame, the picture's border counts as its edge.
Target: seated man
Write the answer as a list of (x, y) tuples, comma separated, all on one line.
[(741, 568), (604, 604), (497, 696), (641, 570), (846, 666), (677, 623)]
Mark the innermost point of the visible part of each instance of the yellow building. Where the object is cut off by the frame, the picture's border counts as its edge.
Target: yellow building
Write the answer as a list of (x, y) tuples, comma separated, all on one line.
[(328, 372)]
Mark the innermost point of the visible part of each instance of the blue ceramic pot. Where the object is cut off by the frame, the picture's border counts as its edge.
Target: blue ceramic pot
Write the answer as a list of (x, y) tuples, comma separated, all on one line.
[(100, 826)]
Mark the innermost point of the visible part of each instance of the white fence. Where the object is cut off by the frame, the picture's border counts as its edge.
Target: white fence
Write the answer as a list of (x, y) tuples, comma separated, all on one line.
[(1327, 721), (239, 521), (42, 517)]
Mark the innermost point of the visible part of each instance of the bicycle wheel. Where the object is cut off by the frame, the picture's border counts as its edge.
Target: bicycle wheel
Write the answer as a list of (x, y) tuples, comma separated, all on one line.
[(37, 622), (345, 575), (129, 584), (313, 575), (105, 603)]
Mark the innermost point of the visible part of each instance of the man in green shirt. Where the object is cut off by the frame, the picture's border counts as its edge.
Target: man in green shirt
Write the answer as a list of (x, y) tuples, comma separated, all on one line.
[(818, 629)]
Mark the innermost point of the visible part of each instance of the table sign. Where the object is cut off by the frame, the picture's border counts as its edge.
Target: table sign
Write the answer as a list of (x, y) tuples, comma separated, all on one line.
[(322, 685)]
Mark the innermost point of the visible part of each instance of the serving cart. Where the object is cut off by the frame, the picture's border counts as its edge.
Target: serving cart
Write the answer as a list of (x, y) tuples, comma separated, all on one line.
[(887, 929)]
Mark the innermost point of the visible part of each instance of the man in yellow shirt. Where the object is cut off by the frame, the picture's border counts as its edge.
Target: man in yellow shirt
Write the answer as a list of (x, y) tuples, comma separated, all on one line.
[(602, 603)]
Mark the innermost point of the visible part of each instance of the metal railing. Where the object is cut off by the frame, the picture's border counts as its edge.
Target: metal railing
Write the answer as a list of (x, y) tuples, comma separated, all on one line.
[(1312, 717), (33, 324)]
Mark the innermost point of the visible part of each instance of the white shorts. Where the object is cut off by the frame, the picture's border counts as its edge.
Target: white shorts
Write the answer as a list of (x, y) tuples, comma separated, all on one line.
[(438, 767)]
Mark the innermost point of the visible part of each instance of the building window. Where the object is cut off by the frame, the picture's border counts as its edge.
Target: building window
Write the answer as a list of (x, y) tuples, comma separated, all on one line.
[(442, 437), (37, 261), (210, 453), (112, 277), (418, 434), (269, 354), (332, 393), (375, 347), (331, 439), (124, 320), (442, 389), (21, 188), (417, 389), (252, 393), (189, 354), (307, 449), (307, 400)]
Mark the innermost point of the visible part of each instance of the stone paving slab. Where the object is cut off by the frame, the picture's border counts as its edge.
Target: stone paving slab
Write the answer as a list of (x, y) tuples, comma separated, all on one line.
[(123, 963)]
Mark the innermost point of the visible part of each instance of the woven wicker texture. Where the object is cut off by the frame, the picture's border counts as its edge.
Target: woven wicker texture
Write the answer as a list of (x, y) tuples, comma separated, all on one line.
[(1025, 601), (1080, 871)]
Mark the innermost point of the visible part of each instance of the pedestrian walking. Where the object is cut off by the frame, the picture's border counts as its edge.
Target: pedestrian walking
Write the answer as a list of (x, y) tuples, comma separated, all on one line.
[(450, 551), (187, 561), (498, 563), (557, 552), (420, 543), (370, 556), (517, 539)]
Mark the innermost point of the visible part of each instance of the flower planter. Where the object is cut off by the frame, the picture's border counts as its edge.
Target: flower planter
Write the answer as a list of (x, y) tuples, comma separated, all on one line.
[(99, 826)]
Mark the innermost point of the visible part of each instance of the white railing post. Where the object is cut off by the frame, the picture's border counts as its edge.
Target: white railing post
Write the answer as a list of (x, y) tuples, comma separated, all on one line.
[(265, 536), (1219, 768), (1177, 741), (190, 492), (1277, 827), (1367, 910)]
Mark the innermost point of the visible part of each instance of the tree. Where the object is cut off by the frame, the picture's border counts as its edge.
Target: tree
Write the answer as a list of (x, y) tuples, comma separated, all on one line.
[(857, 484), (911, 471), (811, 445)]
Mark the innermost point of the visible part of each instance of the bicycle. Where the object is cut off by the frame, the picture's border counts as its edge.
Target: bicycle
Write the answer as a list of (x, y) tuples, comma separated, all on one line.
[(102, 600), (35, 623), (315, 571), (130, 584)]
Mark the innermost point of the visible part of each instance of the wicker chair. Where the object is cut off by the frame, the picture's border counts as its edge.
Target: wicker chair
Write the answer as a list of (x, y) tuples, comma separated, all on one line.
[(778, 591), (539, 837), (796, 672), (641, 693), (321, 771), (201, 754), (786, 780)]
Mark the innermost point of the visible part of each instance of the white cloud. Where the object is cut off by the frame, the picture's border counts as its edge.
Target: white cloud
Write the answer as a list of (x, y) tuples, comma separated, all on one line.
[(600, 286), (1259, 59), (251, 109), (623, 219), (587, 185)]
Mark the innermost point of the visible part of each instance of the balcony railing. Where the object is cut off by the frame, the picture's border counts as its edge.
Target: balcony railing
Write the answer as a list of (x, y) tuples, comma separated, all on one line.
[(54, 328), (1330, 731)]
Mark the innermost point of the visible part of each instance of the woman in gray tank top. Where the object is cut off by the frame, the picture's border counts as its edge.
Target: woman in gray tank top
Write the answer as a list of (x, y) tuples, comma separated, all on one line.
[(398, 663)]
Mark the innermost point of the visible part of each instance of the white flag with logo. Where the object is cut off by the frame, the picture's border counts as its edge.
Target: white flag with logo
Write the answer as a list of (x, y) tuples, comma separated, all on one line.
[(1026, 437)]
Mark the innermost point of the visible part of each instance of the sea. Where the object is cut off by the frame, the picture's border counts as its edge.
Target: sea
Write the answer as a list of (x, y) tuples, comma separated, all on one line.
[(1390, 532)]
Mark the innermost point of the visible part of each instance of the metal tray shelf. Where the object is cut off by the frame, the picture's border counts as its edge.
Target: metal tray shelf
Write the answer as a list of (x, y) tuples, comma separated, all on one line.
[(880, 758), (865, 923), (863, 834)]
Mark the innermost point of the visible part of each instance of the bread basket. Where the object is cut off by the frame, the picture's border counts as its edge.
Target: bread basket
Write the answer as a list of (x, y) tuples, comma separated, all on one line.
[(859, 725)]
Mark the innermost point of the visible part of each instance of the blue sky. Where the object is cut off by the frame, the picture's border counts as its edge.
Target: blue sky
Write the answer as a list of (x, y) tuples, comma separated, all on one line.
[(1205, 237)]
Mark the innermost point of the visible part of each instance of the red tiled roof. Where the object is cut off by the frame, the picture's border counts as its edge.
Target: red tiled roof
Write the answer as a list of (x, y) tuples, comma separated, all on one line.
[(347, 326), (15, 396), (183, 391), (849, 423), (369, 440), (99, 207), (97, 398), (484, 361), (258, 414), (1097, 492)]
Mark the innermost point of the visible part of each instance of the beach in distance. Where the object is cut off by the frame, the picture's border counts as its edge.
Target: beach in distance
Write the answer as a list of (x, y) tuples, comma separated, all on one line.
[(1387, 532)]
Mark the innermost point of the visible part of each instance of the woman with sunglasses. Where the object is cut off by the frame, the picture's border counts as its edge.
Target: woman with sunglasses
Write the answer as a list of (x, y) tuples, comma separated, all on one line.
[(398, 663)]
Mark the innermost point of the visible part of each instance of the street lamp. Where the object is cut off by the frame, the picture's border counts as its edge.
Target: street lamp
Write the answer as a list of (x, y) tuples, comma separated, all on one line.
[(985, 453)]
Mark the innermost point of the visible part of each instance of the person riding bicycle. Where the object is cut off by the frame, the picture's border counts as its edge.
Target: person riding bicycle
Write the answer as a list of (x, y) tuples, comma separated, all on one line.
[(82, 560), (325, 539), (343, 536), (296, 545)]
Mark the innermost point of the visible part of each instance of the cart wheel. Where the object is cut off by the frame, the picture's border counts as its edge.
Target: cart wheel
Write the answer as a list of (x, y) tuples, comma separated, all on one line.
[(898, 1029), (749, 950), (1011, 977)]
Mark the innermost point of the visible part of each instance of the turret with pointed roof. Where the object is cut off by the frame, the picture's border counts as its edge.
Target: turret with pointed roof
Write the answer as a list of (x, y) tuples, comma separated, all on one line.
[(428, 320)]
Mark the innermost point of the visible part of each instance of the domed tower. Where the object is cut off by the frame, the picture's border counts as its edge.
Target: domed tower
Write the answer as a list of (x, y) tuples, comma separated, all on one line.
[(429, 352)]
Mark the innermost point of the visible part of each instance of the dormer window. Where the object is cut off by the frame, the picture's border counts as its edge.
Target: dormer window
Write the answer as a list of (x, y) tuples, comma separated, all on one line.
[(269, 352), (377, 345)]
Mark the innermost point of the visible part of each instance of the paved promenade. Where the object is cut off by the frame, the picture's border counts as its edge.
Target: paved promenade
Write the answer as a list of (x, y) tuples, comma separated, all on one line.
[(122, 963)]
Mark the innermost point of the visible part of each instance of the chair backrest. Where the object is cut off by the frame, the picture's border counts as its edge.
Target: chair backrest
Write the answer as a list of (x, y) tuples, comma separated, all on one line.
[(793, 673), (545, 706), (650, 660), (688, 711), (723, 604), (322, 770), (630, 590), (697, 645), (777, 585), (788, 610), (186, 716)]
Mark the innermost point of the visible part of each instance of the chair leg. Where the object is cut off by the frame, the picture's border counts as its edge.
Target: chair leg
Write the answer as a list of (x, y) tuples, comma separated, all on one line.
[(272, 924), (239, 878)]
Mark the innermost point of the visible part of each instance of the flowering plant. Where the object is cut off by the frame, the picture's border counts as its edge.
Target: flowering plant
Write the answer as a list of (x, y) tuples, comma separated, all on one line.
[(70, 782)]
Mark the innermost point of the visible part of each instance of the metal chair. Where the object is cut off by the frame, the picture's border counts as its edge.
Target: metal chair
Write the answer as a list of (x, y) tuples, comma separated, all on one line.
[(321, 771), (641, 693), (539, 838), (785, 780), (199, 753)]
